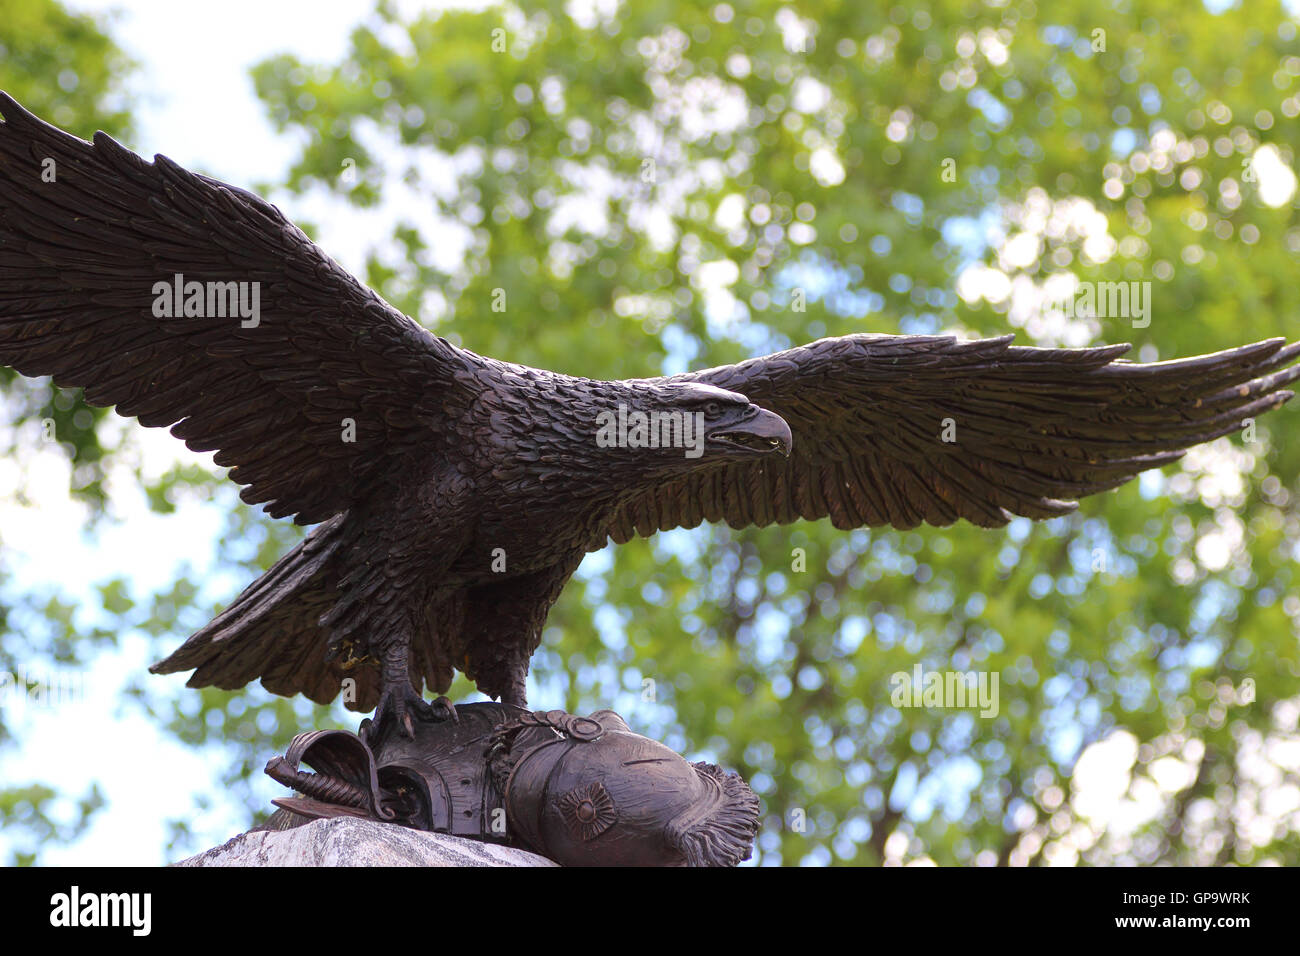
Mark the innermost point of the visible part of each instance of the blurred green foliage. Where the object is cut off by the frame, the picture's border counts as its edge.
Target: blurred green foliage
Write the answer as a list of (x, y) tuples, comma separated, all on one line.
[(660, 185)]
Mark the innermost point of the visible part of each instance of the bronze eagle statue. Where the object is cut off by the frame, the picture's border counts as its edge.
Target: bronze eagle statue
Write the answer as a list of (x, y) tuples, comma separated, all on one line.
[(453, 494)]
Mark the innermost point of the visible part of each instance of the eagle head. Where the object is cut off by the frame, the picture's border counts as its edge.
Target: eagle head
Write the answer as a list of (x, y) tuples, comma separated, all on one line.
[(691, 423)]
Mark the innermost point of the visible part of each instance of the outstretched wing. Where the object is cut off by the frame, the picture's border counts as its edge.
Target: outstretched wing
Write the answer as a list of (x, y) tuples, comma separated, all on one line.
[(307, 398), (905, 430)]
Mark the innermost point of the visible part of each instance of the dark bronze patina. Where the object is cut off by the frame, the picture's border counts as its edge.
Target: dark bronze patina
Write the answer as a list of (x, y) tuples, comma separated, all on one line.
[(583, 791), (454, 495)]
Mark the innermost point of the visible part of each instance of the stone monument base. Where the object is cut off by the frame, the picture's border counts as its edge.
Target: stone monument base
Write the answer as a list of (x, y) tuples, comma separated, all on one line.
[(348, 841)]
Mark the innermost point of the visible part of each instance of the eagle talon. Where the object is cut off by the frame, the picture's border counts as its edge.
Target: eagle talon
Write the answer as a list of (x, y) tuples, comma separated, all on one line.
[(399, 703), (444, 709)]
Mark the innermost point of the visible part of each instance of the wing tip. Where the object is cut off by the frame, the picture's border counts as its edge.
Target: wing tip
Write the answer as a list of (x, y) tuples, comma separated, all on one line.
[(102, 140), (1288, 351), (13, 112)]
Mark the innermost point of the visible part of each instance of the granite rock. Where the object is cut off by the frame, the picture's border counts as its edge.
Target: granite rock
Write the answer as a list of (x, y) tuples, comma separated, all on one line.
[(346, 841)]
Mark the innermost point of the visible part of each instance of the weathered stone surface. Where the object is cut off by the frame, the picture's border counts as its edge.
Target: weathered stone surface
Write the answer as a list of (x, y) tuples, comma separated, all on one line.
[(345, 841)]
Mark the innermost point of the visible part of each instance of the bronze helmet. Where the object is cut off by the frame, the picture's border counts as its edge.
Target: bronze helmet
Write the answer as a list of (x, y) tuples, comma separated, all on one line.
[(587, 791)]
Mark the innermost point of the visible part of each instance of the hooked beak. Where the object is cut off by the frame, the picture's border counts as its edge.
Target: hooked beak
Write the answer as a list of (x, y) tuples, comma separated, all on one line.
[(761, 432)]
